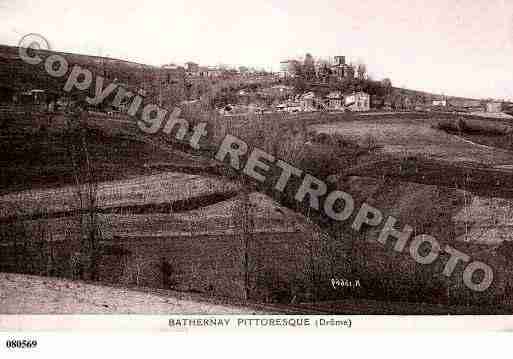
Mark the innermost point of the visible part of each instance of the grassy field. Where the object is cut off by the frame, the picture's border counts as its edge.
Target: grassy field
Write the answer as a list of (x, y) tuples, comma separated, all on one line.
[(406, 136), (42, 160), (164, 190)]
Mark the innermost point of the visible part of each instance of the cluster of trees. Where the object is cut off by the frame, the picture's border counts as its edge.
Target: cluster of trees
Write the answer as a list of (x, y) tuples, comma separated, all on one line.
[(308, 70), (355, 77)]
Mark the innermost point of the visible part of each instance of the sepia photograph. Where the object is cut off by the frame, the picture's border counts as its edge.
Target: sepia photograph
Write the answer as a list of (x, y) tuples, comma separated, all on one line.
[(250, 165)]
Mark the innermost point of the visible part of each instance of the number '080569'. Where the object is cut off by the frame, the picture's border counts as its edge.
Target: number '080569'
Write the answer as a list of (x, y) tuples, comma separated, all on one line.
[(20, 344)]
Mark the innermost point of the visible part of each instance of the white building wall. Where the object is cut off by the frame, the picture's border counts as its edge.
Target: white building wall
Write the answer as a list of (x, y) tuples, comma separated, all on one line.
[(361, 101)]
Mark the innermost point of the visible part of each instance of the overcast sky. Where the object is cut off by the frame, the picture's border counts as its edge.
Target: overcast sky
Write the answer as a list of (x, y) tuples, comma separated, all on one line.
[(456, 47)]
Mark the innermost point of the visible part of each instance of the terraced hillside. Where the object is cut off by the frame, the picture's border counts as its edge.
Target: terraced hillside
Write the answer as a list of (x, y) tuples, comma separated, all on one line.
[(202, 232)]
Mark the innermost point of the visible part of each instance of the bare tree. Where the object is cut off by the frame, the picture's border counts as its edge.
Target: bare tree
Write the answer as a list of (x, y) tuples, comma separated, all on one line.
[(309, 67), (86, 192), (244, 224), (387, 86), (361, 71)]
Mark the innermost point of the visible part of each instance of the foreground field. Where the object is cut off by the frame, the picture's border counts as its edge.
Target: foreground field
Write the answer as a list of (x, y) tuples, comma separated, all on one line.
[(33, 295), (22, 294)]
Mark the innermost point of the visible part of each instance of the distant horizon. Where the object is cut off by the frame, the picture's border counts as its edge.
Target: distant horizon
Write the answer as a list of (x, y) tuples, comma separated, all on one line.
[(179, 63), (442, 47)]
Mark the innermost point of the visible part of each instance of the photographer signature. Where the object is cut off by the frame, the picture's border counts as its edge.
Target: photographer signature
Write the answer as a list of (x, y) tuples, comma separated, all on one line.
[(345, 283)]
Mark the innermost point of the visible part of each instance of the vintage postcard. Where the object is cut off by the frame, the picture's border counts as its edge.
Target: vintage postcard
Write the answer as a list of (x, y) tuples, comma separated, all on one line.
[(235, 165)]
